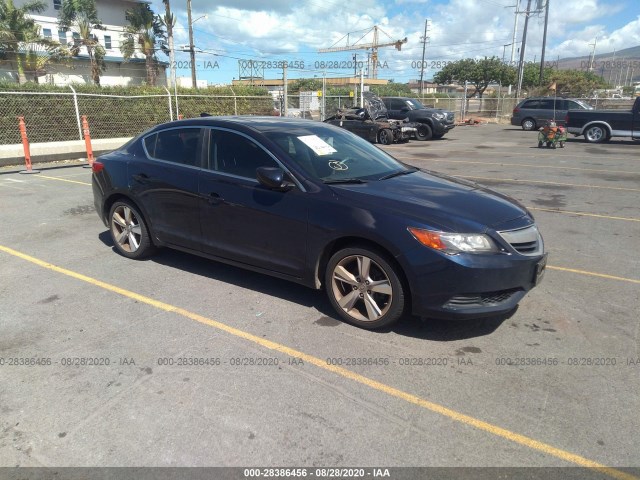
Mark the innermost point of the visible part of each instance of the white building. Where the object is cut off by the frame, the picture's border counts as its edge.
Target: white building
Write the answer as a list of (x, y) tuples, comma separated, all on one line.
[(118, 71)]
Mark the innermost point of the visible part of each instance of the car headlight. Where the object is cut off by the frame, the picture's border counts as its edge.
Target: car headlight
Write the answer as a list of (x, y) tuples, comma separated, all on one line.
[(453, 243), (439, 116)]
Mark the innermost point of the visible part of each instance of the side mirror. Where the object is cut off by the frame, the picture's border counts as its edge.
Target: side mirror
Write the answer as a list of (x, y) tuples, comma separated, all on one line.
[(273, 178)]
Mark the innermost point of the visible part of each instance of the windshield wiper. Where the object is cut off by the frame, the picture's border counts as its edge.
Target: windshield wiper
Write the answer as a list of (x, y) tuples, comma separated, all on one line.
[(344, 180), (397, 174)]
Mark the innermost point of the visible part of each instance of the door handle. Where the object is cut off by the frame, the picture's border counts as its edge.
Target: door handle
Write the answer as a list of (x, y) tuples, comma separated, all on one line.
[(214, 199), (140, 178)]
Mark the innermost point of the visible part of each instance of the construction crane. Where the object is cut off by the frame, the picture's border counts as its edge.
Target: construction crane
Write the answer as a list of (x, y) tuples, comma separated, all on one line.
[(366, 46)]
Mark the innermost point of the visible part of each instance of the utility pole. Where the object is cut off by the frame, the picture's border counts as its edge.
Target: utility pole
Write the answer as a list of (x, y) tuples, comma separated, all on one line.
[(355, 64), (192, 50), (544, 41), (513, 39), (424, 47), (523, 47), (612, 64), (593, 54), (285, 88)]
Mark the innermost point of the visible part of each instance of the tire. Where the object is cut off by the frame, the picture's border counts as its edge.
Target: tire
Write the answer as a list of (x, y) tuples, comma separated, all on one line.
[(364, 288), (424, 132), (528, 124), (129, 231), (385, 136), (540, 144), (596, 134)]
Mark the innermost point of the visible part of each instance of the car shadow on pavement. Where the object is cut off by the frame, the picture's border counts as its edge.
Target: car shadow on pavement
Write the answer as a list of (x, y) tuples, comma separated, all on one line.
[(409, 326)]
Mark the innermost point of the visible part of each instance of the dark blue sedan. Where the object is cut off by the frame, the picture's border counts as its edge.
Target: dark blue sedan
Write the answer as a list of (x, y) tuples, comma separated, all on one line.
[(317, 205)]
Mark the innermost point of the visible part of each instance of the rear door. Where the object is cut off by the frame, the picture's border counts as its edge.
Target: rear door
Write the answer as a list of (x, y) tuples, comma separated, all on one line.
[(165, 183)]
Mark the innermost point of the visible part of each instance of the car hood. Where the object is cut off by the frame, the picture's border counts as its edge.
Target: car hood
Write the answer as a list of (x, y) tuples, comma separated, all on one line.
[(375, 106), (435, 200)]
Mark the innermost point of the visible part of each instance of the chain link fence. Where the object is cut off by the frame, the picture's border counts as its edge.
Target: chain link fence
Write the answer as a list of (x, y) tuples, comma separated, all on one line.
[(52, 117)]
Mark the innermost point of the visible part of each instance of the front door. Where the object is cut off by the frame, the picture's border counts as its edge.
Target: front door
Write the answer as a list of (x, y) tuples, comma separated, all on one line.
[(241, 219)]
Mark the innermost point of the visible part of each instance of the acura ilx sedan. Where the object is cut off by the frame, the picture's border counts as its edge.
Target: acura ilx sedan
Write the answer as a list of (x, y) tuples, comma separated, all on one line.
[(320, 206)]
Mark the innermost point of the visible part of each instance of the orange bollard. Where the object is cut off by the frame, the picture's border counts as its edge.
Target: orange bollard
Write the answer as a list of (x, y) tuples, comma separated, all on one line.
[(180, 116), (87, 140), (25, 145)]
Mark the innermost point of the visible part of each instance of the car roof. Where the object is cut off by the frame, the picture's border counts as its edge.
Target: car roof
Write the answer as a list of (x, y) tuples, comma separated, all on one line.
[(257, 123)]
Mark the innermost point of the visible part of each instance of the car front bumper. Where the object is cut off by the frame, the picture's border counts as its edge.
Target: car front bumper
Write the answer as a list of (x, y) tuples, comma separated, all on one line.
[(469, 285)]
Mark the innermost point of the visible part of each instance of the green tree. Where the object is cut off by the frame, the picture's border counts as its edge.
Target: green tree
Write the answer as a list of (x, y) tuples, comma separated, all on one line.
[(392, 89), (575, 83), (145, 33), (82, 16), (17, 31), (479, 73), (305, 85)]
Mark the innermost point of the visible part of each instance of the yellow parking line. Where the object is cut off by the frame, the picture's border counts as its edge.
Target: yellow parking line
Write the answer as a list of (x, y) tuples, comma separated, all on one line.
[(528, 165), (547, 183), (63, 179), (593, 274), (566, 212), (342, 372)]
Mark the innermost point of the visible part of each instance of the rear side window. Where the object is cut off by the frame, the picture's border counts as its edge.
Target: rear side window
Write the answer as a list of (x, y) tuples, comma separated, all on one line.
[(176, 145), (547, 104), (531, 104)]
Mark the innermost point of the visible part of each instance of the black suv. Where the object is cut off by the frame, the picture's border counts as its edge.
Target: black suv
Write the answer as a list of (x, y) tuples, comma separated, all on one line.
[(432, 122), (534, 112)]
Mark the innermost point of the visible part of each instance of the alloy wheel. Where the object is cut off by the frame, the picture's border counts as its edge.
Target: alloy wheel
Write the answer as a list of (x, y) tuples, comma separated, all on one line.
[(362, 288)]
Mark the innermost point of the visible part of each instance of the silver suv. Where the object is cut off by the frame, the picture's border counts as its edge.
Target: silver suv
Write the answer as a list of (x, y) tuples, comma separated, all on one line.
[(535, 112)]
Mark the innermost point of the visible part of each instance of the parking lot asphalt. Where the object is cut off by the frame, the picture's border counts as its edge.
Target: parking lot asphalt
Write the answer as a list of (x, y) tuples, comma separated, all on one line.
[(180, 361)]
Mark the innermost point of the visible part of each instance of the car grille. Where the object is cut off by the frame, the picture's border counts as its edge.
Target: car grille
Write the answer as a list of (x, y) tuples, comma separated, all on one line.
[(492, 299), (525, 241)]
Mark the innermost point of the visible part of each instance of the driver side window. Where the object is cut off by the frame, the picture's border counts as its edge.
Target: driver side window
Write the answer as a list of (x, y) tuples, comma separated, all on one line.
[(236, 155)]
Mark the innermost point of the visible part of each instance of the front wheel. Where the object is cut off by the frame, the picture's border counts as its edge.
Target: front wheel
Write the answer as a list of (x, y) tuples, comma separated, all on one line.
[(595, 134), (364, 288), (528, 124), (424, 132), (128, 231), (385, 136)]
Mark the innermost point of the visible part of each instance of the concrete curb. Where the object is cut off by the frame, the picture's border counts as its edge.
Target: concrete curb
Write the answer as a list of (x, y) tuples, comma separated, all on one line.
[(54, 151)]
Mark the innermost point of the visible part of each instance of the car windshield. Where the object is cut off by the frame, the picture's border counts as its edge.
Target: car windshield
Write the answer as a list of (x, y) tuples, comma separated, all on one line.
[(415, 104), (332, 155)]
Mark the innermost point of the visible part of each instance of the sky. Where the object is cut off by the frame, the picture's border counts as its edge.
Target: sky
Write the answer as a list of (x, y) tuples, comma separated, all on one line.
[(275, 31)]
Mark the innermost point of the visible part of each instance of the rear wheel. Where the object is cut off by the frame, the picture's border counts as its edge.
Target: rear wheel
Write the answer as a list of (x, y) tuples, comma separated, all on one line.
[(364, 288), (385, 136), (528, 124), (424, 132), (596, 134), (128, 231)]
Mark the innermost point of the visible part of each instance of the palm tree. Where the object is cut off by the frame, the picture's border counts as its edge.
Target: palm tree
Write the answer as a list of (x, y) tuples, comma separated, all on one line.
[(146, 35), (169, 21), (17, 30), (83, 16)]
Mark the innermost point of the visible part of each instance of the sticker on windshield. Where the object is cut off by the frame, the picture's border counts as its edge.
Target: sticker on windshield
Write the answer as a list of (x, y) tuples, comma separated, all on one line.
[(336, 165), (319, 146)]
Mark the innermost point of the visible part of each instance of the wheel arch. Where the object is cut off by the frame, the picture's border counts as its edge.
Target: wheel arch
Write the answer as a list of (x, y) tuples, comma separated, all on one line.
[(354, 241), (597, 122), (116, 196)]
